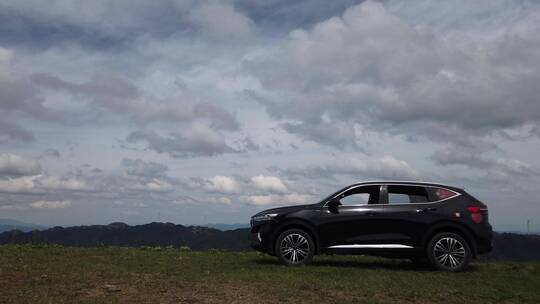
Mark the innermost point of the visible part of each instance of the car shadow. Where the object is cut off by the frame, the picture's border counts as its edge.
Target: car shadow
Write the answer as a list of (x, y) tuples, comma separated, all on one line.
[(401, 265)]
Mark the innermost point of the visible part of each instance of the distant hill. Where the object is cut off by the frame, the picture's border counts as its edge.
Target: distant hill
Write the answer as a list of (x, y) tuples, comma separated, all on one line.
[(507, 246), (225, 227), (121, 234), (519, 247), (9, 224)]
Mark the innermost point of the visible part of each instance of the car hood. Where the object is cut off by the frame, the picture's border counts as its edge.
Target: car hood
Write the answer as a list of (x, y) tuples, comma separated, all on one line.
[(283, 210)]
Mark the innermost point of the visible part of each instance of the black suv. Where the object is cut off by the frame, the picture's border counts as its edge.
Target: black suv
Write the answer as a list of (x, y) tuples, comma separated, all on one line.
[(425, 222)]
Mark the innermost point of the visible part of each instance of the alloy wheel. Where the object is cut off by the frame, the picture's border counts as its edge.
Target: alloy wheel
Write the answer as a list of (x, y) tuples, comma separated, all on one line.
[(449, 252), (295, 248)]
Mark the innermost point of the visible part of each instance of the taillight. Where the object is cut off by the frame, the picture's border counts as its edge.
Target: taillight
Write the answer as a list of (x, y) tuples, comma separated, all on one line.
[(477, 213)]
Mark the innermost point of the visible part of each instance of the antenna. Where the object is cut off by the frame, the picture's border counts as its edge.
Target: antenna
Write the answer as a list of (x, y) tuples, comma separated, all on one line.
[(528, 226)]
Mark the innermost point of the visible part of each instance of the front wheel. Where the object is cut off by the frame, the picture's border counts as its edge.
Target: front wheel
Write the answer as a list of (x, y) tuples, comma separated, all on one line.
[(449, 251), (294, 247)]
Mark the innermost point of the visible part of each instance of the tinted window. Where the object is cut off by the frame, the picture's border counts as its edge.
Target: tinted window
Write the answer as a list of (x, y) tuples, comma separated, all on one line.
[(438, 194), (407, 194), (360, 195)]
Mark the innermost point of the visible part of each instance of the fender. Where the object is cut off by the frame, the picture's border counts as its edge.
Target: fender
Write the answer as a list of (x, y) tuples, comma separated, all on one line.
[(298, 223)]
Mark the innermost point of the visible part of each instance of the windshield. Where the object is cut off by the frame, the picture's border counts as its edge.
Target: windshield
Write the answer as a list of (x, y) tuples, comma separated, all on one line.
[(332, 195)]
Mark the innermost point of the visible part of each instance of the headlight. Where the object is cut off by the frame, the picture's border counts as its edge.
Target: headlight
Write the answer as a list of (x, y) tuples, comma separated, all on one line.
[(264, 217)]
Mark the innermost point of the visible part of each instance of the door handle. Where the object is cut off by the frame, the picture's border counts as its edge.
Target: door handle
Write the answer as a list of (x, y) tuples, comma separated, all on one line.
[(426, 210), (372, 213)]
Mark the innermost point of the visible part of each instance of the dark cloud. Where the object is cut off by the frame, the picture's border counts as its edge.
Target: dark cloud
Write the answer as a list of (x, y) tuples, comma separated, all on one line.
[(19, 100), (373, 69), (95, 25), (195, 141), (337, 134), (247, 144), (473, 159), (50, 153), (13, 131), (139, 167), (387, 167), (122, 97), (282, 16)]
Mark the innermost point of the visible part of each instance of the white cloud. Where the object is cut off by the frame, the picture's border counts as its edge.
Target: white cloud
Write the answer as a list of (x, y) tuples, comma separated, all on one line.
[(42, 183), (275, 199), (62, 183), (23, 184), (154, 184), (223, 184), (219, 200), (50, 204), (221, 20), (269, 183), (15, 165)]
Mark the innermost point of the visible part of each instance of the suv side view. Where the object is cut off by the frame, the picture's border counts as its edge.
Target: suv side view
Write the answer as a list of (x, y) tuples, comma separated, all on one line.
[(425, 222)]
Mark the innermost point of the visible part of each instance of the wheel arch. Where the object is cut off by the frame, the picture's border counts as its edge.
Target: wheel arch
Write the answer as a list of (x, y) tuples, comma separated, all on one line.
[(445, 226), (295, 223)]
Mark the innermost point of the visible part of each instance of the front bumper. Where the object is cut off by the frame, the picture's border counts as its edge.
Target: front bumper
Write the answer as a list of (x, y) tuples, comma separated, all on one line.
[(255, 241), (260, 236)]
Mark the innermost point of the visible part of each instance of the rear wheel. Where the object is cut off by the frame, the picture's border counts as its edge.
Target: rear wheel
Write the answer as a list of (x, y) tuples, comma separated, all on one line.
[(294, 247), (449, 251)]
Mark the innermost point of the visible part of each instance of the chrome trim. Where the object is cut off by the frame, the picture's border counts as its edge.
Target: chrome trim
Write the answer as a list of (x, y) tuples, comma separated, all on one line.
[(362, 246), (396, 184), (406, 183)]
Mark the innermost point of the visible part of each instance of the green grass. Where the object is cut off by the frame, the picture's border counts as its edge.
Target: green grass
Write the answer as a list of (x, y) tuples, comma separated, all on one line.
[(54, 274)]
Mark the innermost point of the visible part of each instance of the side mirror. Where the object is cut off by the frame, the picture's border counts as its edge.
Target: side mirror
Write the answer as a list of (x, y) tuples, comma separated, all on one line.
[(333, 204)]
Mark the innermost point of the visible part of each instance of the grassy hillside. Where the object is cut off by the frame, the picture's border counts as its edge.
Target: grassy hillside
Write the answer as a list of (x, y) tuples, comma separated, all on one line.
[(54, 274)]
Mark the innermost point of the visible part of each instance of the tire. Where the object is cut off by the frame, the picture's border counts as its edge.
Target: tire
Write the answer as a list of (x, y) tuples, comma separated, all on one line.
[(294, 247), (449, 251)]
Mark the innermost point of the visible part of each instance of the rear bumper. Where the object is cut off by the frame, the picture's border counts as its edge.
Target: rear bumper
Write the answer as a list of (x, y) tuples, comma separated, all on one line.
[(484, 245), (484, 240)]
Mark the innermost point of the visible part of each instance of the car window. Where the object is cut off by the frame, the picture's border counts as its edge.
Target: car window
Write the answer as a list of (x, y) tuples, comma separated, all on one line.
[(438, 194), (360, 195), (407, 194), (398, 198)]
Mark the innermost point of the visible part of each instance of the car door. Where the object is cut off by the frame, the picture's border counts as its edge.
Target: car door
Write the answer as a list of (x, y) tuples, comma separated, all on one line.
[(355, 221), (407, 213)]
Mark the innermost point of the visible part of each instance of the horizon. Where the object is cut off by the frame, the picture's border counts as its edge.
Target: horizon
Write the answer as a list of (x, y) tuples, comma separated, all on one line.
[(197, 112), (507, 228)]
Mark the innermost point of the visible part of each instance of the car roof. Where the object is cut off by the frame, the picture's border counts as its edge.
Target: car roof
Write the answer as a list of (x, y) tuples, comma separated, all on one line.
[(421, 183)]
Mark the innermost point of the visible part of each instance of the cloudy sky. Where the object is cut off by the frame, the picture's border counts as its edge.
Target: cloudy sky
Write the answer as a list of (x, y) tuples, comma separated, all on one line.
[(199, 112)]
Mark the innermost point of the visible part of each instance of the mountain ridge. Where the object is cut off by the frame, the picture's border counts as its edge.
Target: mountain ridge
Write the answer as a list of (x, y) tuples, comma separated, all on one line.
[(507, 246)]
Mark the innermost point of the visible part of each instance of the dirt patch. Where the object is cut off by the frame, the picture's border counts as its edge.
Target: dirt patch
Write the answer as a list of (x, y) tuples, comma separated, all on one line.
[(146, 289), (14, 279)]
